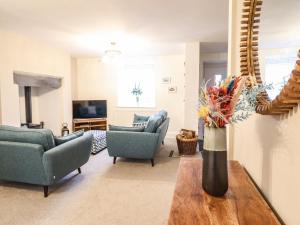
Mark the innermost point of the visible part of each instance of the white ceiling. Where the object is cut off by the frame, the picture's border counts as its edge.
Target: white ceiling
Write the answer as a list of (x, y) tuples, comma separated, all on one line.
[(85, 28)]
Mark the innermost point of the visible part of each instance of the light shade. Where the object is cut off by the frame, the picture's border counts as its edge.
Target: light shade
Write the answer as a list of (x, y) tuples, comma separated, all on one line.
[(112, 52)]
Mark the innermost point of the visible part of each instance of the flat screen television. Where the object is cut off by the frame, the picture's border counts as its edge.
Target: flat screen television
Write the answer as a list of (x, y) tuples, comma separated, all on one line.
[(89, 109)]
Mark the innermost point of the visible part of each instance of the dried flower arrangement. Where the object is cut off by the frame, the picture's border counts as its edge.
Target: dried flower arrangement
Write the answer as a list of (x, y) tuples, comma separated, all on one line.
[(230, 102)]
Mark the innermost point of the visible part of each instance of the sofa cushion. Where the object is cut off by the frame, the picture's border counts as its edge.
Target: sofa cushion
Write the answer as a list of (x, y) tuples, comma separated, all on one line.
[(64, 139), (139, 118), (42, 137), (153, 123), (163, 114), (122, 128)]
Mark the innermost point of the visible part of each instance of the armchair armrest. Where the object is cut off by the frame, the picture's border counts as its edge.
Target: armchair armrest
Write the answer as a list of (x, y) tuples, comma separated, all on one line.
[(67, 157), (141, 145), (22, 162)]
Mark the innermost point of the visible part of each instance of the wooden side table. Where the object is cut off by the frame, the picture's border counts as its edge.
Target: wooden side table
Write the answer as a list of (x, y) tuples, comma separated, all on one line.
[(242, 204)]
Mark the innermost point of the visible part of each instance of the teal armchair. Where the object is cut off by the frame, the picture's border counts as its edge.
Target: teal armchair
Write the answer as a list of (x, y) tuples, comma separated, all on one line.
[(137, 145), (31, 156)]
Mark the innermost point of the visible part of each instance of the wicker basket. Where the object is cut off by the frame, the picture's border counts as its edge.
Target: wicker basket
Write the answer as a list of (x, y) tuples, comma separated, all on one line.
[(186, 146)]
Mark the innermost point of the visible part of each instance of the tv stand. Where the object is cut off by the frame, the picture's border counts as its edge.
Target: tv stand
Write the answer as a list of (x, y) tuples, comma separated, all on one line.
[(90, 124)]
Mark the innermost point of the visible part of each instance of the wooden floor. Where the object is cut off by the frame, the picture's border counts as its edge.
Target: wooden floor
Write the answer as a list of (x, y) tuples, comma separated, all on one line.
[(241, 205)]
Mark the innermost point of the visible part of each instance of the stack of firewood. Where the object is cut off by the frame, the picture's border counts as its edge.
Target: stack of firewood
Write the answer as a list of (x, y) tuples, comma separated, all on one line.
[(187, 134)]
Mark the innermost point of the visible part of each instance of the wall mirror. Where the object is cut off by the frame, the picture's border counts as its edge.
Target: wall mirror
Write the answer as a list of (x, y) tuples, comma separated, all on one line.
[(270, 43)]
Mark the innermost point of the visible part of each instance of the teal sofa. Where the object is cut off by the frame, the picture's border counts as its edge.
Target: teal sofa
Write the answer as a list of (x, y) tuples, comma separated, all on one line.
[(31, 156), (138, 144)]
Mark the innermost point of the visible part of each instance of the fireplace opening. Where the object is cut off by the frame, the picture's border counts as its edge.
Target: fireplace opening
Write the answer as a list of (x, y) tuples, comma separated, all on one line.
[(28, 110), (28, 105)]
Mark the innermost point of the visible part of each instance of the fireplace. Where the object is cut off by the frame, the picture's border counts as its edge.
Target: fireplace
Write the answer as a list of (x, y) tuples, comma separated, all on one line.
[(30, 87)]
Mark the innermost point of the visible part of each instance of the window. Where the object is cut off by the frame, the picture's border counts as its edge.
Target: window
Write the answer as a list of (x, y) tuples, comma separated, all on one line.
[(218, 79), (277, 72), (136, 86)]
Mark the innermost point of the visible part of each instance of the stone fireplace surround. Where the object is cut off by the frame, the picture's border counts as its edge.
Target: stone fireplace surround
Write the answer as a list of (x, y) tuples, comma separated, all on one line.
[(27, 81)]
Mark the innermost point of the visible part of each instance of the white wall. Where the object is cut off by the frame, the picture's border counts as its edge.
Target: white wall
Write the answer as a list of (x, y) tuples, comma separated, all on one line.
[(217, 57), (74, 78), (97, 80), (26, 54), (192, 76), (267, 146)]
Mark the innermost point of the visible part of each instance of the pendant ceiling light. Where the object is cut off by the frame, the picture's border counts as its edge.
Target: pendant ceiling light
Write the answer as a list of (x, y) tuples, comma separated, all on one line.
[(112, 52)]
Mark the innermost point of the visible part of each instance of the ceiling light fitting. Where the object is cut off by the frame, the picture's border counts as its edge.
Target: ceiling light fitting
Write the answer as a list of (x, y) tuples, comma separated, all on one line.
[(112, 52)]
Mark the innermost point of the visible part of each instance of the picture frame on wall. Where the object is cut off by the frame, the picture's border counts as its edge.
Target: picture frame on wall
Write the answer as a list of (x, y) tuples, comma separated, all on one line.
[(172, 89), (166, 80)]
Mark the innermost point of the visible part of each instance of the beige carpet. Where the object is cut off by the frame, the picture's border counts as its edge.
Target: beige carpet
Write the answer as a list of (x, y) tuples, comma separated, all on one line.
[(130, 192)]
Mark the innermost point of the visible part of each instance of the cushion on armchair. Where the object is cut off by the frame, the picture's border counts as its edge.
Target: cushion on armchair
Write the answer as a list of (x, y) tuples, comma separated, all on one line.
[(122, 128), (163, 114), (64, 139), (153, 123), (140, 119)]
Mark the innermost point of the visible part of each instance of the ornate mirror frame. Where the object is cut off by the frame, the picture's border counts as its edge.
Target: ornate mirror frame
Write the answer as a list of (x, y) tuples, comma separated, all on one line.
[(289, 96)]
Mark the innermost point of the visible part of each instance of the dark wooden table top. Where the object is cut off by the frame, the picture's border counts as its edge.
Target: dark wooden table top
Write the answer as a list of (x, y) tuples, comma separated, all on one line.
[(242, 204)]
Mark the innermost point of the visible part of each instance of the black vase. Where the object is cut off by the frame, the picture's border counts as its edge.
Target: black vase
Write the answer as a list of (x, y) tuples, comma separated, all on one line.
[(214, 171)]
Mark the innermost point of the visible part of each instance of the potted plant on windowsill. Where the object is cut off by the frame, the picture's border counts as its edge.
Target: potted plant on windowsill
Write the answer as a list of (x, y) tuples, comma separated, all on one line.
[(137, 92), (232, 101)]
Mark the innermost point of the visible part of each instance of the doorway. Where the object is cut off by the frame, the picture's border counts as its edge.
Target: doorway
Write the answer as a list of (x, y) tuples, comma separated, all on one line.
[(214, 73)]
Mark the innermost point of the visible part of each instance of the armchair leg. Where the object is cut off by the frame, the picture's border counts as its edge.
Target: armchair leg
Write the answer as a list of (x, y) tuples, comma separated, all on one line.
[(79, 170), (115, 159), (45, 191), (152, 162)]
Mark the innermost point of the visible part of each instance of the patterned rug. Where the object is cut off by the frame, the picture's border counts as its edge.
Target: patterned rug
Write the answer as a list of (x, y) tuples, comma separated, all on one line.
[(99, 140)]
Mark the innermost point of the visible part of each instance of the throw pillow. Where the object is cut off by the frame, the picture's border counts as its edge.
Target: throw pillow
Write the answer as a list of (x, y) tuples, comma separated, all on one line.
[(153, 123), (122, 128), (139, 118), (140, 124), (64, 139), (163, 114)]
